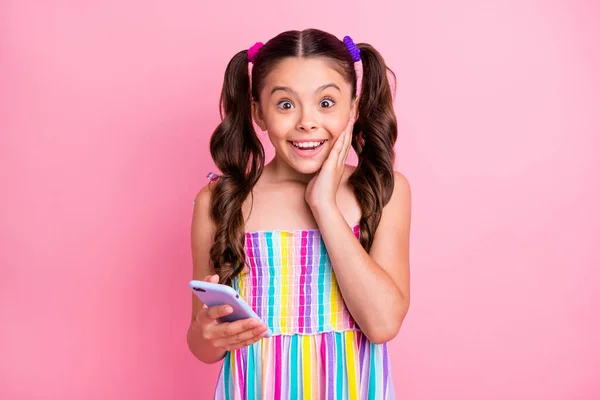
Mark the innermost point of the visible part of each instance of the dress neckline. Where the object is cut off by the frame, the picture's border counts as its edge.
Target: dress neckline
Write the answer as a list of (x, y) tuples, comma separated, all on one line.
[(293, 231)]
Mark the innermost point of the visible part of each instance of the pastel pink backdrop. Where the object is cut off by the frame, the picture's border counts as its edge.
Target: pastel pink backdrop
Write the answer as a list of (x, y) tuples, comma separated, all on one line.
[(106, 112)]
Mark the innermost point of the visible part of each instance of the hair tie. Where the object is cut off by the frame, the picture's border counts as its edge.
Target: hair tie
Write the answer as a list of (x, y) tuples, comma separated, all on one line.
[(354, 51), (253, 51), (212, 176)]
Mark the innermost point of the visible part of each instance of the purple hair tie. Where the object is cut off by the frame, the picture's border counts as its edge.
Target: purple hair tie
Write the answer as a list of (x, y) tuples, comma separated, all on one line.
[(253, 51), (354, 51), (212, 176)]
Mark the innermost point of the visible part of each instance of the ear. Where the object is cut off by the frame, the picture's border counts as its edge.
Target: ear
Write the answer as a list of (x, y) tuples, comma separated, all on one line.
[(354, 109), (258, 116)]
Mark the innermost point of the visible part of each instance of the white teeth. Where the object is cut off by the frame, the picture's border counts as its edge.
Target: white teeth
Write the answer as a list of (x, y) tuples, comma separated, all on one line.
[(307, 145)]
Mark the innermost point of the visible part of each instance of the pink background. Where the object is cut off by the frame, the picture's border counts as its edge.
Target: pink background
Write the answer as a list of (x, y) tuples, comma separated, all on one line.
[(106, 108)]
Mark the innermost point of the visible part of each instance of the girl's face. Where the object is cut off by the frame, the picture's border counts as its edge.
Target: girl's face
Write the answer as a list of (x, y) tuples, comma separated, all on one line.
[(304, 106)]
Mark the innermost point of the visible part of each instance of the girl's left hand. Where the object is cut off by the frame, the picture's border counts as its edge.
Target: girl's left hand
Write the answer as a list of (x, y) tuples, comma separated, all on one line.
[(322, 188)]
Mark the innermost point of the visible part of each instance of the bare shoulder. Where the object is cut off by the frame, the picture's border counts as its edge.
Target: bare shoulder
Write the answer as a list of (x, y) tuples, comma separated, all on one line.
[(202, 203), (396, 213), (398, 206), (402, 191), (202, 230), (202, 233)]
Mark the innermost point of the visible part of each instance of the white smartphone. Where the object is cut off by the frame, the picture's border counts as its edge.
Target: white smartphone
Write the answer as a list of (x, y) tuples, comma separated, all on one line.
[(216, 294)]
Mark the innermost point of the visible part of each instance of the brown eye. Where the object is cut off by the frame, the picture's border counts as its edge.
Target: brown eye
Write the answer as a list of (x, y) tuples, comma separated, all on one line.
[(285, 105), (326, 103)]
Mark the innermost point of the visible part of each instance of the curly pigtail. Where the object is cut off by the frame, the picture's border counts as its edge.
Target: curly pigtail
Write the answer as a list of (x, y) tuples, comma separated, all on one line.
[(375, 133), (239, 155)]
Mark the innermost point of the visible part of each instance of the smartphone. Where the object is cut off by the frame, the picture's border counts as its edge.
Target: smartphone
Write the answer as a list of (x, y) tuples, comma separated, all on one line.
[(216, 294)]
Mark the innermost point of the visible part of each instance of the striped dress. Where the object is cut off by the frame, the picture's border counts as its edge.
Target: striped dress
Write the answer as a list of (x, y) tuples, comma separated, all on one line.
[(317, 351)]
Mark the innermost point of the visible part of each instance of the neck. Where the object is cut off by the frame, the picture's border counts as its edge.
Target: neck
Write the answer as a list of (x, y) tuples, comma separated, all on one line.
[(281, 171)]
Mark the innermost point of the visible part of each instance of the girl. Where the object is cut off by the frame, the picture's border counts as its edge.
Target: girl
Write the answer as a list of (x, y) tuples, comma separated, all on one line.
[(319, 249)]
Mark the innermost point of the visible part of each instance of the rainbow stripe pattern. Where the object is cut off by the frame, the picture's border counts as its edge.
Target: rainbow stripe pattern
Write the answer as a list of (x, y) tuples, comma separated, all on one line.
[(317, 351)]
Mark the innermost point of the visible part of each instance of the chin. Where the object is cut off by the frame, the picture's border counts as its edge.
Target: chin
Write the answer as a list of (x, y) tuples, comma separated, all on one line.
[(305, 166)]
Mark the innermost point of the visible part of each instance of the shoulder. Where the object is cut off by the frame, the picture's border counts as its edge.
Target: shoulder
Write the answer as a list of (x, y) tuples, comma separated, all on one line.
[(401, 185), (202, 202), (401, 195), (402, 189), (204, 196), (397, 212), (202, 235)]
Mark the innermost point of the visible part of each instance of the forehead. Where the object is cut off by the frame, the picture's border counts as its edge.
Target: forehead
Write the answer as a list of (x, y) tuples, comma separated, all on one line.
[(304, 74)]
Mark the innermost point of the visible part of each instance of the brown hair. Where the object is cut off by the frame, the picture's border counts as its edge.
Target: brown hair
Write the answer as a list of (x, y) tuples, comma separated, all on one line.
[(239, 154)]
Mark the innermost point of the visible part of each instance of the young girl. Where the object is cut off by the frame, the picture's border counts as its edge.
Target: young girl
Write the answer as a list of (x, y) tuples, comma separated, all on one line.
[(317, 248)]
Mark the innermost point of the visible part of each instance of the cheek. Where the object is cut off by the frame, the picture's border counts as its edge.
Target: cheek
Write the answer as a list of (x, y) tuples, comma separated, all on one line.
[(278, 127), (281, 124), (336, 125)]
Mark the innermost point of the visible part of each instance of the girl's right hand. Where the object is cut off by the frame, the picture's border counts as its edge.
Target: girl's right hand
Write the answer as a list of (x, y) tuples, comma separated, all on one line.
[(228, 336)]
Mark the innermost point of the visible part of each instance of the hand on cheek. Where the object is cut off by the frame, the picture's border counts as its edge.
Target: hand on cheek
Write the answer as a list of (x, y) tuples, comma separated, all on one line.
[(321, 190)]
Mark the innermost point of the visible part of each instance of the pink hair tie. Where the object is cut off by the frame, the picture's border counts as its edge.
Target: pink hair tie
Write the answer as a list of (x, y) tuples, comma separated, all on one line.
[(253, 51)]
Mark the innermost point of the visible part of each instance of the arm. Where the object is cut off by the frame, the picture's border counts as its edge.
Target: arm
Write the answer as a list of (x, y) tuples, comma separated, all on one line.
[(207, 338), (201, 235), (375, 285)]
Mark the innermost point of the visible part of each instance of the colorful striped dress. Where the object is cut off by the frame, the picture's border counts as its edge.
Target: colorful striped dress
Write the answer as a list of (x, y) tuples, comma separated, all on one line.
[(317, 351)]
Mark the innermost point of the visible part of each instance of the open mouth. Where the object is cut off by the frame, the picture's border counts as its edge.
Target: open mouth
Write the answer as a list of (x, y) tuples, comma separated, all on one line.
[(307, 145)]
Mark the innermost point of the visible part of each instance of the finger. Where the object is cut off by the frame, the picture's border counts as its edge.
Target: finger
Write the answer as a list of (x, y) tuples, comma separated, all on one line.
[(341, 156), (349, 144), (344, 151), (351, 121), (245, 343), (211, 278), (339, 142), (241, 337), (229, 329), (217, 312), (332, 157)]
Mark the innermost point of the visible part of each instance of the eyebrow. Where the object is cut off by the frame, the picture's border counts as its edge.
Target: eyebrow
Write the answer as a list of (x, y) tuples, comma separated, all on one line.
[(319, 89)]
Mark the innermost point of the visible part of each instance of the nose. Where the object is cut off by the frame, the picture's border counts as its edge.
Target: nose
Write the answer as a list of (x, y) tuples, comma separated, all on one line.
[(307, 122)]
